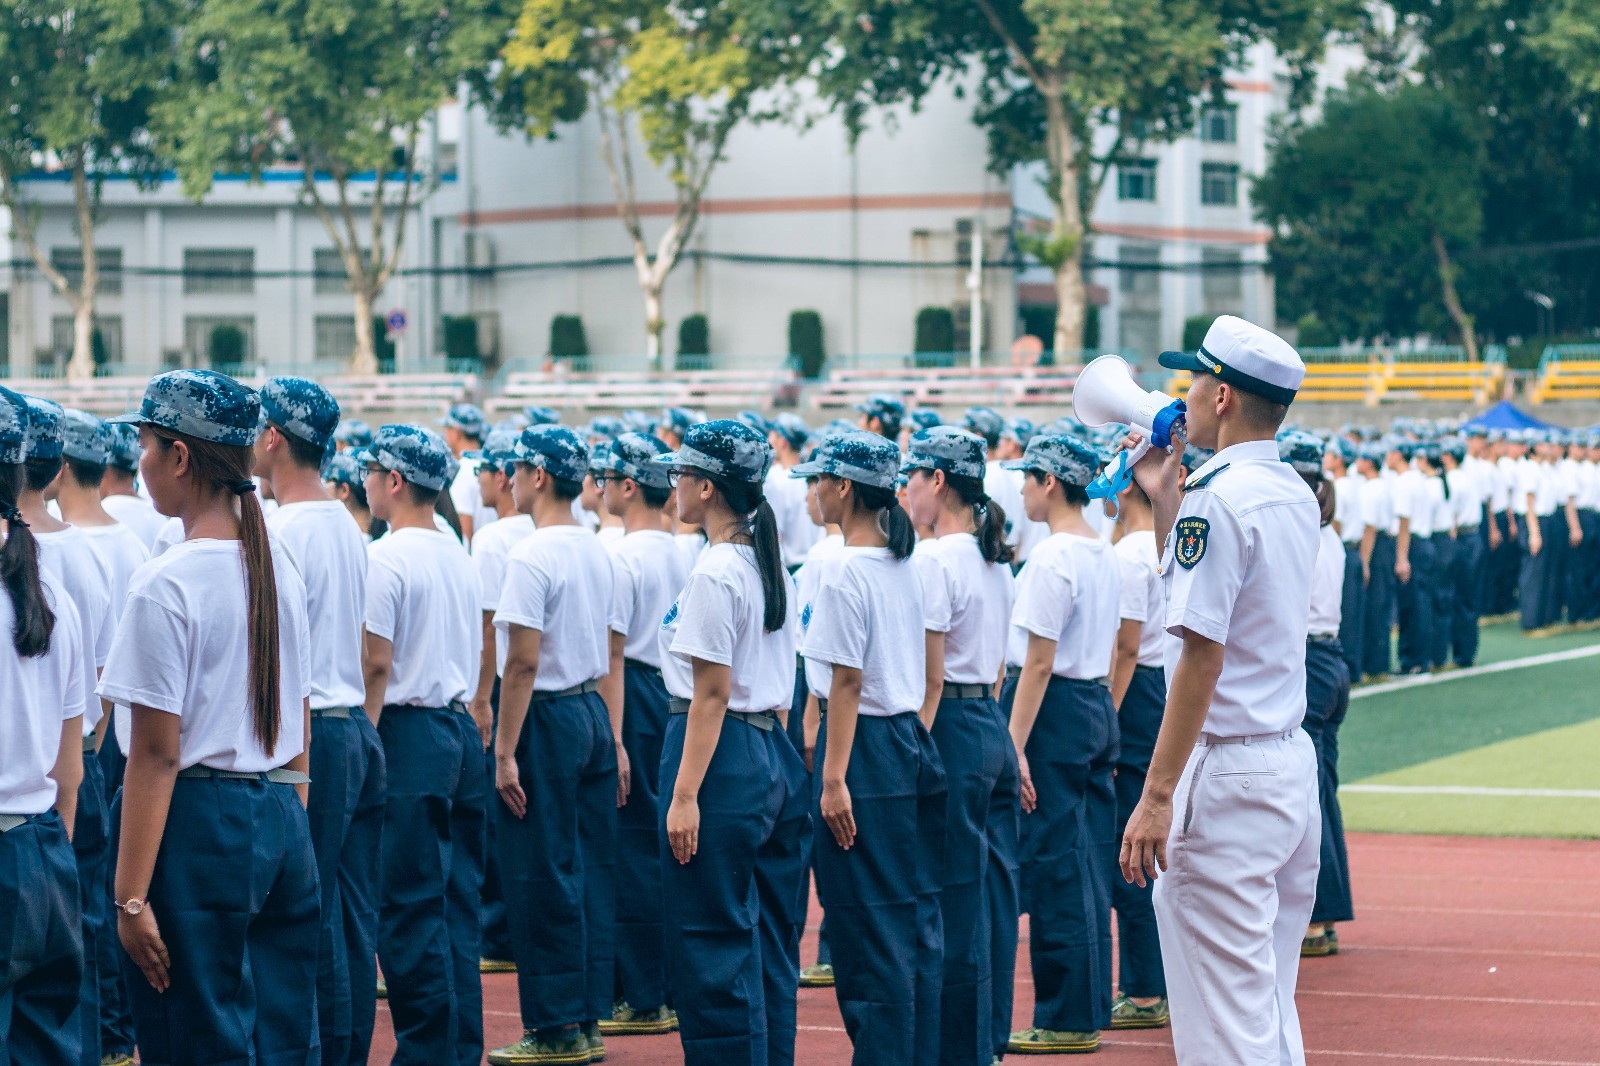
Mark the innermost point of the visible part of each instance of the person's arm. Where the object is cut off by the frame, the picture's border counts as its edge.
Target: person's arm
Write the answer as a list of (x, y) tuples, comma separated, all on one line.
[(611, 690), (1369, 537), (68, 771), (844, 707), (1125, 659), (482, 706), (1194, 683), (377, 664), (1535, 534), (707, 709), (1402, 552), (516, 692), (933, 677), (146, 796), (1025, 704), (1574, 530), (812, 724)]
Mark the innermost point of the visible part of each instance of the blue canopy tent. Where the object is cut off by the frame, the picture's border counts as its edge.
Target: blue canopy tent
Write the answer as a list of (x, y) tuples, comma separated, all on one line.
[(1504, 415)]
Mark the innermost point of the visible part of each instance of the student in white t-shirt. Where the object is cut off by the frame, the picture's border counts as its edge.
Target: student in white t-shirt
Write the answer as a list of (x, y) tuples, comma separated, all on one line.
[(607, 526), (1059, 653), (42, 681), (737, 826), (420, 658), (796, 532), (1350, 523), (464, 429), (558, 759), (880, 819), (1469, 492), (216, 880), (119, 488), (346, 482), (966, 595), (346, 800)]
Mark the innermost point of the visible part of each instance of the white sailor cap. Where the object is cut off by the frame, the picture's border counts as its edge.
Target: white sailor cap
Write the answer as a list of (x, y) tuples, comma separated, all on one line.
[(1245, 356)]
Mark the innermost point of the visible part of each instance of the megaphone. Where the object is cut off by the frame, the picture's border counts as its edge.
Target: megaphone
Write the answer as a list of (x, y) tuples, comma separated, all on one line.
[(1106, 393)]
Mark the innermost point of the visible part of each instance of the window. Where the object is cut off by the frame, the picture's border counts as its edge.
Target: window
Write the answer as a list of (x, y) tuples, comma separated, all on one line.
[(335, 337), (219, 340), (1140, 331), (1137, 276), (219, 271), (1221, 277), (105, 342), (1136, 180), (1219, 124), (329, 268), (1219, 184), (69, 260)]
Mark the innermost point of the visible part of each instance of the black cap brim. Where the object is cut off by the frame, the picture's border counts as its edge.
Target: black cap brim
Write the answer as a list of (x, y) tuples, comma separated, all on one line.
[(1181, 361)]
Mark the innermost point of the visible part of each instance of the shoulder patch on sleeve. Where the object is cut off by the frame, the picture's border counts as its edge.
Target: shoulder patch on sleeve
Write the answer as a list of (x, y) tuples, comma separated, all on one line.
[(1203, 481), (1191, 537)]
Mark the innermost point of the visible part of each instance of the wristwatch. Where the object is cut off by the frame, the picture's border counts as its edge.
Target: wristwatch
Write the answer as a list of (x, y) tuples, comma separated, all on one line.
[(132, 907)]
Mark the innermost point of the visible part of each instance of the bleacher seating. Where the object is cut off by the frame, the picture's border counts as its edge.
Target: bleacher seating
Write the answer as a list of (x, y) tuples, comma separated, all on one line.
[(1377, 381), (1568, 372), (101, 396), (1045, 389), (390, 397), (710, 390)]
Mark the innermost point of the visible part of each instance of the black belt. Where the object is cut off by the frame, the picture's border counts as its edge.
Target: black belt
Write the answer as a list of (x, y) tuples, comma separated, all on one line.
[(575, 690), (1471, 531), (765, 721), (1140, 668), (454, 707), (822, 704), (1014, 672), (331, 712), (956, 690), (91, 744), (280, 776), (639, 664)]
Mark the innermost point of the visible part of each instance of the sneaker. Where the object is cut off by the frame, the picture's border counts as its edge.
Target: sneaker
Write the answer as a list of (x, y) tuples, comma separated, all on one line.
[(597, 1046), (1053, 1042), (569, 1046), (818, 976), (625, 1021), (383, 989), (1125, 1014), (117, 1058), (1319, 946), (496, 966)]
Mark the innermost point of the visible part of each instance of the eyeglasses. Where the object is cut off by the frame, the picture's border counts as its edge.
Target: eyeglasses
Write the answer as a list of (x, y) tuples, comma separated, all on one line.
[(676, 475), (601, 479)]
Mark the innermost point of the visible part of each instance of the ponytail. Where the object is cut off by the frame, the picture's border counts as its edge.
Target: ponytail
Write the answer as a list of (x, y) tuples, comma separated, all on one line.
[(896, 523), (989, 518), (227, 468), (1326, 498), (749, 501), (1443, 480), (19, 569), (445, 507)]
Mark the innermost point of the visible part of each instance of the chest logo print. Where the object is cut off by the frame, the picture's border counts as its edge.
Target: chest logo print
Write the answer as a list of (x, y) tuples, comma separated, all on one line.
[(1191, 541)]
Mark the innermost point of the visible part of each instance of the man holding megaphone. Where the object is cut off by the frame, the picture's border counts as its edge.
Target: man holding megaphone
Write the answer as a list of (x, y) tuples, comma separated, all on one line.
[(1229, 820)]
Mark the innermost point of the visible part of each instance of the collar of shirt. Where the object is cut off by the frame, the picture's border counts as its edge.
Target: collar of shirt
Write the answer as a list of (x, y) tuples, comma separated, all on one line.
[(1257, 451)]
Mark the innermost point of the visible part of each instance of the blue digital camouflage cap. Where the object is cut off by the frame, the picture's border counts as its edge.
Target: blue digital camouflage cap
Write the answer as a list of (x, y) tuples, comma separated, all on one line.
[(597, 456), (1373, 452), (301, 407), (886, 408), (415, 453), (1066, 457), (1301, 450), (792, 428), (1346, 449), (603, 426), (1019, 429), (925, 417), (756, 421), (855, 456), (678, 419), (353, 433), (466, 417), (723, 448), (636, 421), (955, 451), (203, 404), (13, 426), (123, 449), (43, 426), (84, 438), (343, 468), (512, 424), (555, 449), (542, 416), (1455, 447), (452, 467), (985, 422), (499, 450), (633, 456)]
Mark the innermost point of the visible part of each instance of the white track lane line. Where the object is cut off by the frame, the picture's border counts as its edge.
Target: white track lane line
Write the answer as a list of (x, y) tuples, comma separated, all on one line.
[(1423, 680), (1473, 790)]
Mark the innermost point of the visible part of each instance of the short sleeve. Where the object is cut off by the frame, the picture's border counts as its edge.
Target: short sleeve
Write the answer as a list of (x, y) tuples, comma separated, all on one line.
[(490, 561), (78, 695), (938, 608), (1405, 502), (1136, 578), (838, 630), (707, 613), (1200, 597), (624, 591), (1045, 591), (464, 493), (149, 663), (385, 593), (525, 596)]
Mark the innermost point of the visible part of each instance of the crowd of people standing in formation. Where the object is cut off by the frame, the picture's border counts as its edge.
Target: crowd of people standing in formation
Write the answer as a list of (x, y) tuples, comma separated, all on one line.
[(287, 700)]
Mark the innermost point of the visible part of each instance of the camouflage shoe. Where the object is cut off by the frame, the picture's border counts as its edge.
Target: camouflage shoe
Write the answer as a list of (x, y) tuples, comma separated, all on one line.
[(593, 1041), (496, 966), (818, 976), (626, 1021), (1320, 946), (567, 1046), (1126, 1014), (1053, 1042)]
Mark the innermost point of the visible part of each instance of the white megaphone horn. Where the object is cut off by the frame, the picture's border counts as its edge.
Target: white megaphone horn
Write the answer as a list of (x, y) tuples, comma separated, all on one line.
[(1106, 394)]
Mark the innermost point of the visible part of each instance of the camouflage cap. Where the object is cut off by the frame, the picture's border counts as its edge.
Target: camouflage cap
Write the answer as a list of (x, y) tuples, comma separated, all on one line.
[(792, 428), (499, 450), (633, 456), (467, 417), (452, 466), (1346, 449), (855, 456), (542, 416), (353, 433), (200, 403), (925, 417), (1066, 457), (13, 426), (678, 419), (597, 455), (1373, 452), (1019, 429), (415, 453), (122, 445), (603, 426), (723, 448), (1456, 447), (84, 438), (343, 468), (1301, 450), (955, 451), (43, 428), (985, 422), (555, 449), (636, 421), (886, 408), (301, 407), (755, 420)]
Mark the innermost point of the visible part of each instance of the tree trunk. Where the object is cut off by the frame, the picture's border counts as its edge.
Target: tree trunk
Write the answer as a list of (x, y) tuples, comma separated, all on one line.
[(81, 366), (1067, 234), (364, 360), (653, 325), (1452, 302)]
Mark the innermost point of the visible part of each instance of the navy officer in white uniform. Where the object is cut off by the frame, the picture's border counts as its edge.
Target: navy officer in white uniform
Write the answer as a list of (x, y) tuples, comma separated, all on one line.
[(1229, 819)]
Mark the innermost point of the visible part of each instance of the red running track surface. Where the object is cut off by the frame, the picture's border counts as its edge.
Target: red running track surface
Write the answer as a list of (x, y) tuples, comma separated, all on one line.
[(1465, 950)]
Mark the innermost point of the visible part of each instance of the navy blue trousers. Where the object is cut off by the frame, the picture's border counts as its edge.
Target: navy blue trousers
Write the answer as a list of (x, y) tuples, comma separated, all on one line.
[(91, 846), (1535, 582), (557, 865), (1583, 575), (1506, 565), (1443, 590), (978, 900), (1378, 614), (1138, 721), (345, 810), (1415, 608), (882, 896), (496, 931), (797, 734), (1327, 701), (1353, 610), (735, 911), (235, 893), (1467, 568), (1069, 854), (641, 967), (41, 945), (116, 1016), (428, 926)]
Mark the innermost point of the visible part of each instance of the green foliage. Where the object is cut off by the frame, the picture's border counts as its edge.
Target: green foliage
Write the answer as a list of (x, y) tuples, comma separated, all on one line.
[(1052, 251), (461, 338), (567, 339), (694, 336), (1091, 328), (1315, 333), (97, 347), (1570, 38), (805, 342), (1039, 320), (226, 346), (1194, 331), (936, 331)]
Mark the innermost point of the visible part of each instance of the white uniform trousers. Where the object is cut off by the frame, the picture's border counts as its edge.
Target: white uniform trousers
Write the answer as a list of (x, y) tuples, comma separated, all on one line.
[(1235, 900)]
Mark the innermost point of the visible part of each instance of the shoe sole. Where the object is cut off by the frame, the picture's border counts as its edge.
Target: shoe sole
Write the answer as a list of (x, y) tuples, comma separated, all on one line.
[(816, 982), (495, 966), (1142, 1023), (1317, 953), (637, 1028), (541, 1060), (1059, 1048)]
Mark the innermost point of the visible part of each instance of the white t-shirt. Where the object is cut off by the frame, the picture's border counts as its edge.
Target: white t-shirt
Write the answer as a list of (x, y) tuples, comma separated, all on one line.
[(490, 550), (1348, 511), (787, 498), (969, 601), (609, 535), (1071, 593), (869, 616), (37, 694), (138, 514), (120, 548), (326, 546), (822, 562), (1143, 598), (720, 617), (691, 545), (422, 594), (1377, 505), (648, 573), (467, 495), (558, 581), (1327, 584), (71, 560), (1409, 489), (1441, 511), (184, 648), (170, 533), (1005, 488)]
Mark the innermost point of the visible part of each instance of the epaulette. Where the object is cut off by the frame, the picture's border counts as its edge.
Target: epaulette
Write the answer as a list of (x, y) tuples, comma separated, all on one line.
[(1202, 482)]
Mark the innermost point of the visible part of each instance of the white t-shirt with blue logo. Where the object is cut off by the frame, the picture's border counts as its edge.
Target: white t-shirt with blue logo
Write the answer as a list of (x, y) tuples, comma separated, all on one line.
[(822, 562)]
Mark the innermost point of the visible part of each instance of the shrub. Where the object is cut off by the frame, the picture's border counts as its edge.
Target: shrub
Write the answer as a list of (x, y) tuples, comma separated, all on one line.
[(694, 336), (1315, 333), (936, 331), (1194, 331), (566, 337), (461, 338), (805, 342), (226, 345)]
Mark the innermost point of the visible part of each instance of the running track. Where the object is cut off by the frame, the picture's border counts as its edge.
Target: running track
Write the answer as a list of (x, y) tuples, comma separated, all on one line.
[(1465, 950)]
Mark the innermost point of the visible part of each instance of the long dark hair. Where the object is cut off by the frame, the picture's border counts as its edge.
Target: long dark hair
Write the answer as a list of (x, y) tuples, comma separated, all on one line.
[(988, 516), (896, 523), (1324, 488), (445, 508), (19, 569), (748, 500), (227, 468)]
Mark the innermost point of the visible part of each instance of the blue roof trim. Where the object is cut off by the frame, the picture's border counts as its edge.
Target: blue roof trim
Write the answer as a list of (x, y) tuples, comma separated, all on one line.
[(271, 177)]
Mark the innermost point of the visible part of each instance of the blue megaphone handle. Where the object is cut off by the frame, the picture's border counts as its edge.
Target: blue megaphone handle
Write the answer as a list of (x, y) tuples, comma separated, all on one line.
[(1115, 478), (1168, 417)]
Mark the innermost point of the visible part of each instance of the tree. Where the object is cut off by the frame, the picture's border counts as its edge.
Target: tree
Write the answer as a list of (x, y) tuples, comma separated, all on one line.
[(1078, 85), (672, 78), (1371, 206), (78, 83), (341, 89)]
